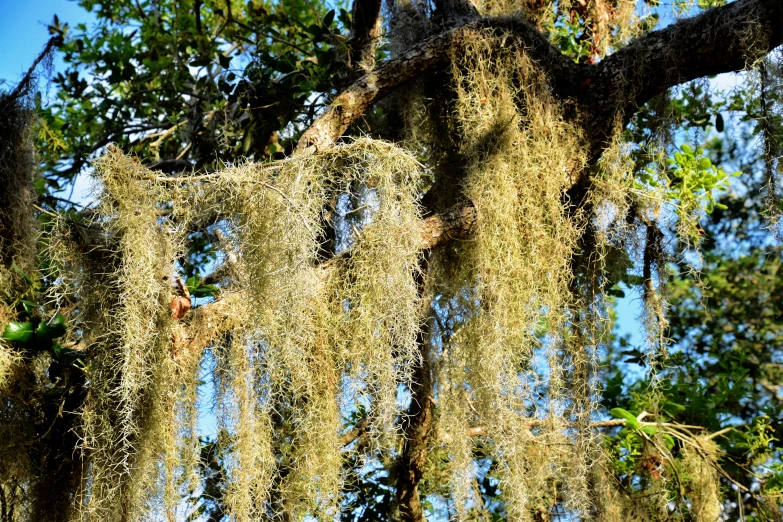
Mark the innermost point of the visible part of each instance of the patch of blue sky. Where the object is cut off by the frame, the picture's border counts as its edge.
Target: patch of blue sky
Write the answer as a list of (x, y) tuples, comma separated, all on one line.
[(24, 33)]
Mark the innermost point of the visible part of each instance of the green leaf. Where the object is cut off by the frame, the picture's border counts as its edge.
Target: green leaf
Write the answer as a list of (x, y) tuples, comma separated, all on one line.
[(29, 307), (51, 329), (247, 140), (19, 332), (69, 357), (205, 291), (39, 185), (650, 430), (668, 440), (630, 419), (192, 283), (24, 275), (42, 332), (57, 325), (672, 408), (329, 18)]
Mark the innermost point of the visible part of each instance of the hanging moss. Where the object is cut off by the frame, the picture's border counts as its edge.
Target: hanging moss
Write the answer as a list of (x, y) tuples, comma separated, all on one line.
[(17, 169), (286, 331), (521, 155), (301, 331), (18, 230), (129, 350)]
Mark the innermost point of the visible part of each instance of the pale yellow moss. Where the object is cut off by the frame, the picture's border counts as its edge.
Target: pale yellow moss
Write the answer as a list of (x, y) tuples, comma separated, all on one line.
[(286, 331)]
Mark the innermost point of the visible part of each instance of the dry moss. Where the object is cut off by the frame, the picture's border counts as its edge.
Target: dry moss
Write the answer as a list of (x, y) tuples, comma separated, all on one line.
[(295, 336), (20, 383), (129, 350), (18, 230), (516, 272), (9, 357), (701, 475), (287, 330)]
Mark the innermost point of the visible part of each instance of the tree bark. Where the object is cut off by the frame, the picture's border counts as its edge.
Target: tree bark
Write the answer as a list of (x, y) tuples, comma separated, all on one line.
[(365, 31), (413, 460), (456, 222), (722, 39), (354, 101), (417, 425)]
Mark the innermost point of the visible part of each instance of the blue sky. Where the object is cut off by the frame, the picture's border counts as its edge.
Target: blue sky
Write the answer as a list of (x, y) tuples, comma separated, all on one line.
[(23, 32)]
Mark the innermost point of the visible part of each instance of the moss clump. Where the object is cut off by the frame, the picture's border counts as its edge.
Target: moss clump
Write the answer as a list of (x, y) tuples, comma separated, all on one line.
[(286, 332), (18, 230), (129, 349), (515, 274)]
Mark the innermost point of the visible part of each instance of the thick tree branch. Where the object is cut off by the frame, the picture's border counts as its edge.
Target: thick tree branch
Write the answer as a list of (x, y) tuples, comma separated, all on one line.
[(456, 222), (413, 459), (352, 103), (417, 425), (722, 39), (365, 30)]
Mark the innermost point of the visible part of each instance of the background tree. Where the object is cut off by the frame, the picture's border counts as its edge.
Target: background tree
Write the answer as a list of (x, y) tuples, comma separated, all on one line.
[(415, 323)]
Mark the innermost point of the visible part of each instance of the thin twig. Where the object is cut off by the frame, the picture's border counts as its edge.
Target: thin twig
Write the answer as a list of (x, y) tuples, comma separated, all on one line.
[(724, 430), (45, 211)]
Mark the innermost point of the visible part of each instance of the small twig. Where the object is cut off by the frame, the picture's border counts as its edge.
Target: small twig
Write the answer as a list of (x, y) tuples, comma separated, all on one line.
[(184, 151), (721, 432), (613, 423), (45, 211), (356, 432), (357, 209), (162, 135), (285, 42)]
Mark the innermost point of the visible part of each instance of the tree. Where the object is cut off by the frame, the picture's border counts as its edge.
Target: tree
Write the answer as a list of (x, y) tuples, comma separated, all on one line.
[(404, 300)]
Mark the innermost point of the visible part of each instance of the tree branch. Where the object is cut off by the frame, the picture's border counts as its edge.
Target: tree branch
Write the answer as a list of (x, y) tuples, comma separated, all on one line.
[(365, 30), (722, 39), (358, 430), (418, 424), (22, 88), (457, 222), (352, 103)]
